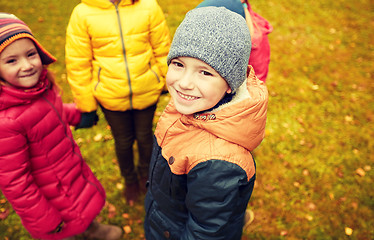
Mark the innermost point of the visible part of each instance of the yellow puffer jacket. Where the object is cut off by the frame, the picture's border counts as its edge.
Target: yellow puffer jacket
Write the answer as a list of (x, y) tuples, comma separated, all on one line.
[(116, 54)]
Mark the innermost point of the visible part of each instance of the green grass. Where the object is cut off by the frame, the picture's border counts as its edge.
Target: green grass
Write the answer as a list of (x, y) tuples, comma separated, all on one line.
[(320, 120)]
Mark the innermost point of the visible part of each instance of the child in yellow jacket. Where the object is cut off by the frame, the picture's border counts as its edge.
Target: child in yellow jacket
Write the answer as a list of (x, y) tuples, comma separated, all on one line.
[(116, 59)]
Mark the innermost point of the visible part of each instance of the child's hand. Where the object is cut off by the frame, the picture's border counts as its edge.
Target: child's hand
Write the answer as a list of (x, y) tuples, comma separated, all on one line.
[(88, 119)]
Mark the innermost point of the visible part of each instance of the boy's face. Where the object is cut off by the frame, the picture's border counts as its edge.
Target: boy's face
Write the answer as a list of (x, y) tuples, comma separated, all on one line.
[(194, 85), (20, 64)]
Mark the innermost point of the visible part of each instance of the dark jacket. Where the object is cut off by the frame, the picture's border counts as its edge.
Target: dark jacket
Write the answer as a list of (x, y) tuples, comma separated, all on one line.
[(202, 172)]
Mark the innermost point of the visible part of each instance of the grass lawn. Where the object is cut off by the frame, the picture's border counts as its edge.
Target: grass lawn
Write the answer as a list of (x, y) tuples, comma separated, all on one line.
[(315, 167)]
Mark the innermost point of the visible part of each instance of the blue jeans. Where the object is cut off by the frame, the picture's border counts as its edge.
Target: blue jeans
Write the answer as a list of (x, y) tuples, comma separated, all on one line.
[(127, 127)]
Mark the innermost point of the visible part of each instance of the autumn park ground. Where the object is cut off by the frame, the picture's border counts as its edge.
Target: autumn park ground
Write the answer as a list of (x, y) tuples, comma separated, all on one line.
[(315, 168)]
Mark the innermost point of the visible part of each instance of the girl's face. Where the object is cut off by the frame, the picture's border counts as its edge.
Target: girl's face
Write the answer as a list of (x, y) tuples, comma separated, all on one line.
[(194, 85), (20, 64)]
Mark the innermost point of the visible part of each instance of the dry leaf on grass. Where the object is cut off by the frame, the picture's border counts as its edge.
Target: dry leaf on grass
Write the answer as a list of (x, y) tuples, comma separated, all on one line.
[(127, 229), (348, 231), (98, 137), (360, 172)]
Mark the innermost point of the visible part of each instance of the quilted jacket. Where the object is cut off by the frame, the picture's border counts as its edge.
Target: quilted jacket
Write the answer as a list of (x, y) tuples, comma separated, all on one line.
[(116, 54), (202, 172), (42, 173), (260, 52)]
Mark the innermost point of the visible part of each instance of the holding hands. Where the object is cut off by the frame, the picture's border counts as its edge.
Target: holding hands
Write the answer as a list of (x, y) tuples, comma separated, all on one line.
[(88, 119)]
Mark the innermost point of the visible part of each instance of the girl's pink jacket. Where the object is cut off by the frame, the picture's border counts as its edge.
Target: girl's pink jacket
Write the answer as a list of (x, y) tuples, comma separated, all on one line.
[(260, 51), (42, 172)]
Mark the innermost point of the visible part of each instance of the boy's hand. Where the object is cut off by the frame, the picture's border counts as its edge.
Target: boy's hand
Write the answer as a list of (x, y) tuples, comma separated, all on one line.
[(88, 119)]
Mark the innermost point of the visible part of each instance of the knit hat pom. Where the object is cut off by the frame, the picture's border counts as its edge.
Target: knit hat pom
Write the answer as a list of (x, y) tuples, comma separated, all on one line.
[(12, 29), (217, 36)]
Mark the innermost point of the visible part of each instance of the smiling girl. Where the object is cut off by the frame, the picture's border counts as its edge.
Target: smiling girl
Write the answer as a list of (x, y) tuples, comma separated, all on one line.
[(42, 172)]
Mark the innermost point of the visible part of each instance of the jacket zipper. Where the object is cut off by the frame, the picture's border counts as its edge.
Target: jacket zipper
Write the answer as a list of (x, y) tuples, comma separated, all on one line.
[(124, 54), (73, 145)]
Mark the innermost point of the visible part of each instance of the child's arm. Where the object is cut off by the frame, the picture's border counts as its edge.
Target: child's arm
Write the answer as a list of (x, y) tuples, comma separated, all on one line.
[(76, 118), (218, 193), (160, 38), (18, 185), (73, 115), (79, 56)]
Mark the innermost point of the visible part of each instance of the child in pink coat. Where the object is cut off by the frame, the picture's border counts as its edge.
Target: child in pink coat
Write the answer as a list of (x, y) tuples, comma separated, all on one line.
[(42, 172)]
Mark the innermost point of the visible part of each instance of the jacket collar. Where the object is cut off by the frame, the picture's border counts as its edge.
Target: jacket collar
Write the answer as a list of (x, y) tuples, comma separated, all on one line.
[(10, 96), (105, 3)]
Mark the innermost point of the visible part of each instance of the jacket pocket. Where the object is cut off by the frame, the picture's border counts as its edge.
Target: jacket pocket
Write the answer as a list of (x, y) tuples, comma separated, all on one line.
[(161, 225), (156, 75), (98, 78)]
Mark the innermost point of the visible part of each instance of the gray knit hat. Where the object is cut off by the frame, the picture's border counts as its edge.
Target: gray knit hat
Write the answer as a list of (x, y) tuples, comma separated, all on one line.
[(217, 36)]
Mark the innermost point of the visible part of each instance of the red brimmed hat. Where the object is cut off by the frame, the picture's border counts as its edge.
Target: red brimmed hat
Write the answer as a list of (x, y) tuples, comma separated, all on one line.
[(12, 29)]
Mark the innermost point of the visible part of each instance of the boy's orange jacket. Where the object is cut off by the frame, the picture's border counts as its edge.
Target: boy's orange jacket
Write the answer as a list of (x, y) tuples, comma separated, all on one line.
[(228, 133), (202, 172)]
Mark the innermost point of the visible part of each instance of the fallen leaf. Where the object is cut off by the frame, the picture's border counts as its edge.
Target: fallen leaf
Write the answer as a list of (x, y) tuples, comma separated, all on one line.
[(283, 233), (309, 217), (269, 188), (108, 137), (348, 231), (306, 172), (111, 210), (127, 229), (119, 186), (99, 219), (111, 215), (339, 172), (332, 196), (334, 83), (367, 168), (111, 207), (98, 137), (4, 213), (348, 119), (311, 206), (360, 172), (300, 120), (126, 215)]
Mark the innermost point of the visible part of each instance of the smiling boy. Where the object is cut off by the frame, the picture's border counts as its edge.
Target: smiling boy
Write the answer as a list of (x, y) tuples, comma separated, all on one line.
[(202, 172)]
